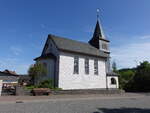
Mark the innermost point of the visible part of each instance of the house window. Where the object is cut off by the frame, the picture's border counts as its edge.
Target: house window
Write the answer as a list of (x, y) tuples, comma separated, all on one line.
[(96, 67), (86, 66), (113, 81), (76, 65)]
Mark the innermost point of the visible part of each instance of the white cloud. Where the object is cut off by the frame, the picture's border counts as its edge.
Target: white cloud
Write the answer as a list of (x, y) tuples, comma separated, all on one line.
[(16, 50), (131, 54), (14, 65), (145, 37)]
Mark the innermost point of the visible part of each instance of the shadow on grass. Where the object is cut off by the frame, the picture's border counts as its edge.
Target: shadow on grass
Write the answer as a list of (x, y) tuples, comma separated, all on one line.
[(122, 110)]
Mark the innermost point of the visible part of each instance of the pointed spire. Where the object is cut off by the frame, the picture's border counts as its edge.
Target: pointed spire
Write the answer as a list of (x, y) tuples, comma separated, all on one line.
[(97, 14), (97, 31), (95, 39), (98, 34)]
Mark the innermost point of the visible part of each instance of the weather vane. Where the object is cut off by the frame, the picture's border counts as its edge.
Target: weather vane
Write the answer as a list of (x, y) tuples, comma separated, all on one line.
[(98, 13)]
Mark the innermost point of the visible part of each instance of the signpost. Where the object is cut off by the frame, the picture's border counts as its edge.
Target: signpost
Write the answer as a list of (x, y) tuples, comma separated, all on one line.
[(1, 83)]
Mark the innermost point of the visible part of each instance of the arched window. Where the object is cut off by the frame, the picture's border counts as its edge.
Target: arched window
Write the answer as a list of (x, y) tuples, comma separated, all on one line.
[(113, 81)]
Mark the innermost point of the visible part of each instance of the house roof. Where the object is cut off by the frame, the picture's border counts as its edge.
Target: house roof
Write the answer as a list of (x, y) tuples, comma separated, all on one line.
[(98, 32), (111, 73), (69, 45), (8, 77), (43, 56), (97, 36), (9, 72)]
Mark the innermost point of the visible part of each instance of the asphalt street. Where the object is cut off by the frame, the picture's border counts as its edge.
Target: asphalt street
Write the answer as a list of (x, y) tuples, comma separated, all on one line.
[(81, 105)]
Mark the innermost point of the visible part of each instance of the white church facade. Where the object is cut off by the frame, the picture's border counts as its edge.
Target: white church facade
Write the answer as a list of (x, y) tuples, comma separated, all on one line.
[(79, 65)]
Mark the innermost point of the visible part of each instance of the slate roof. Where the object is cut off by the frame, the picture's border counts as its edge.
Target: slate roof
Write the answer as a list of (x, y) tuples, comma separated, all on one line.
[(69, 45), (8, 77), (43, 56), (7, 74), (10, 72), (111, 73), (97, 31)]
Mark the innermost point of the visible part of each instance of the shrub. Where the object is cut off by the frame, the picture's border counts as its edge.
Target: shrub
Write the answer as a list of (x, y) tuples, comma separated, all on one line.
[(46, 84), (57, 89), (30, 87), (36, 71)]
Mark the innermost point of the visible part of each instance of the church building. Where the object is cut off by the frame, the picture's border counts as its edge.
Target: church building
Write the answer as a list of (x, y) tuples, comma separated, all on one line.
[(78, 65)]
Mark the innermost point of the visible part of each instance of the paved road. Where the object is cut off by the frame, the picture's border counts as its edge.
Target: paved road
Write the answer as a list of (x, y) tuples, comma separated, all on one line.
[(130, 104)]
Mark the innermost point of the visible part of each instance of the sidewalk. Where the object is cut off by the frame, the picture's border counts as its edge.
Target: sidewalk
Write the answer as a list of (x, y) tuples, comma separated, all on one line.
[(21, 99)]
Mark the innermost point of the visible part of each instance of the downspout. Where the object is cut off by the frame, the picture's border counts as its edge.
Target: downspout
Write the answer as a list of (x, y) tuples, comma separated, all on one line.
[(55, 61), (107, 70)]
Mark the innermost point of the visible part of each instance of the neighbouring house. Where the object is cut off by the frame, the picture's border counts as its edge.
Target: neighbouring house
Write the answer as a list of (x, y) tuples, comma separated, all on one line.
[(9, 78), (24, 80), (10, 72), (78, 65), (9, 81)]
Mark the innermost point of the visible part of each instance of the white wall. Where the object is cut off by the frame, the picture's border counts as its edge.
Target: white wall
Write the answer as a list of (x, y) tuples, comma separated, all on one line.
[(1, 83), (111, 86), (68, 80)]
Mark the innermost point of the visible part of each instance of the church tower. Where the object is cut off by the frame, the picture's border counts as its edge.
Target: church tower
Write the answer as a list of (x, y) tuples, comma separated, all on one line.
[(99, 40)]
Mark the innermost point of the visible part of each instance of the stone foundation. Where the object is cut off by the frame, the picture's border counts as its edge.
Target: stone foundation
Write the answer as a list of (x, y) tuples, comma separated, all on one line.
[(88, 91)]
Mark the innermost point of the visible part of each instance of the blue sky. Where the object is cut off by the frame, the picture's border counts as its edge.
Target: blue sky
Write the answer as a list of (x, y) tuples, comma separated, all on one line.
[(25, 24)]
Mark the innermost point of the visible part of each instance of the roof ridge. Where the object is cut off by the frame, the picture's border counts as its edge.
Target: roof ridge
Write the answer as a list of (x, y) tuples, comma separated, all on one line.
[(75, 46), (51, 35)]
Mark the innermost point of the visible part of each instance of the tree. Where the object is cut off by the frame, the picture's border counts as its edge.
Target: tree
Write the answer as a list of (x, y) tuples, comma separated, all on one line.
[(114, 66), (125, 75), (141, 80), (36, 71)]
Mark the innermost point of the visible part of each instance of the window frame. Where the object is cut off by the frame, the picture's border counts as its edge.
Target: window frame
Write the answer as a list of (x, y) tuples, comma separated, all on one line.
[(105, 46), (76, 65), (86, 66), (113, 81), (96, 72)]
